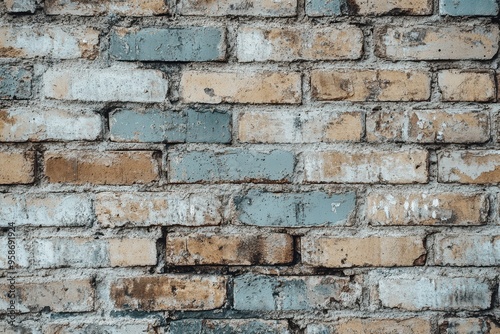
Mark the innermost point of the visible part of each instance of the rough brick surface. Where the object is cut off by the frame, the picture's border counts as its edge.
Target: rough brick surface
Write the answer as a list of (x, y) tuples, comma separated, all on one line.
[(334, 252), (370, 166), (367, 7), (216, 326), (424, 208), (20, 6), (288, 127), (15, 82), (169, 292), (146, 209), (125, 8), (438, 42), (46, 41), (370, 85), (176, 44), (269, 293), (263, 8), (441, 293), (68, 295), (373, 326), (17, 167), (101, 168), (247, 87), (101, 85), (476, 167), (248, 249), (288, 44), (468, 7), (467, 250), (456, 85)]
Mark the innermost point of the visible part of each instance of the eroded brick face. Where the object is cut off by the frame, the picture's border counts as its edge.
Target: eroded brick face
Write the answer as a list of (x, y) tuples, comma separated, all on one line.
[(249, 166)]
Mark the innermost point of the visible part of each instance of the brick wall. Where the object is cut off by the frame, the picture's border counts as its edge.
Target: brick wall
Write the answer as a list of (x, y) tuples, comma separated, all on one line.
[(250, 166)]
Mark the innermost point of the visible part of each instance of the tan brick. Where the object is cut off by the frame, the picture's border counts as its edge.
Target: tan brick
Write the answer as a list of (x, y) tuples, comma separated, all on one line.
[(438, 126), (394, 7), (149, 209), (169, 292), (335, 252), (264, 8), (370, 85), (101, 7), (246, 87), (294, 43), (458, 85), (476, 167), (112, 167), (373, 326), (467, 250), (366, 166), (453, 42), (79, 327), (385, 126), (132, 252), (298, 127), (67, 295), (229, 249), (17, 167), (47, 41), (466, 326), (43, 123), (423, 208)]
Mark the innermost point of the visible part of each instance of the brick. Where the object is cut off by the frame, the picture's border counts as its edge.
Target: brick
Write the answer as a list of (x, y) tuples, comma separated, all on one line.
[(295, 43), (93, 253), (103, 7), (47, 41), (468, 7), (400, 166), (45, 123), (218, 326), (112, 167), (450, 126), (386, 126), (20, 6), (229, 249), (15, 82), (450, 42), (89, 328), (467, 250), (230, 165), (165, 209), (475, 167), (287, 293), (457, 85), (373, 326), (372, 251), (28, 327), (315, 208), (248, 87), (19, 256), (172, 44), (367, 7), (110, 84), (17, 167), (465, 326), (169, 292), (297, 127), (426, 208), (210, 126), (57, 209), (66, 295), (439, 293), (262, 8), (370, 85)]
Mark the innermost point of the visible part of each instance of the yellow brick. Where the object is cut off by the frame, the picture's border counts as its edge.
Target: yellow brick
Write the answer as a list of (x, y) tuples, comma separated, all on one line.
[(456, 85), (17, 167), (376, 326), (132, 252)]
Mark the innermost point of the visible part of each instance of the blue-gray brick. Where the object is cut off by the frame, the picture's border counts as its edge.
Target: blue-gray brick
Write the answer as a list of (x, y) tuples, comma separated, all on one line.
[(325, 7), (20, 6), (172, 44), (233, 326), (15, 82), (295, 209), (468, 7), (170, 126), (231, 165), (274, 293)]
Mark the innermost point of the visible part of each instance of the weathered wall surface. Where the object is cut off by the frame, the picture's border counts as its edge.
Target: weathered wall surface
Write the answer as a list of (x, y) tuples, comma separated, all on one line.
[(250, 166)]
